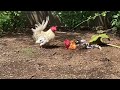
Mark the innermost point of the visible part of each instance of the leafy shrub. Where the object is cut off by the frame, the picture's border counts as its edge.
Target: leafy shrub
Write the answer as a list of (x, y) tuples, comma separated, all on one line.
[(116, 20), (72, 18), (11, 21), (77, 18)]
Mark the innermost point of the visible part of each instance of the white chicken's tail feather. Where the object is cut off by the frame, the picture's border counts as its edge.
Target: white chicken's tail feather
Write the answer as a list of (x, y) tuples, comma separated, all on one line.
[(41, 27), (44, 25)]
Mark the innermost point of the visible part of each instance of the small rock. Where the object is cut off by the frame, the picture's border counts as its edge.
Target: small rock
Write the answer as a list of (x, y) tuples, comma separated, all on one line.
[(4, 53)]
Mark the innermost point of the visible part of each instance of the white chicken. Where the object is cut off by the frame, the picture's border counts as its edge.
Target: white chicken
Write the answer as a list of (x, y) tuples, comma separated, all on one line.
[(39, 28), (42, 37)]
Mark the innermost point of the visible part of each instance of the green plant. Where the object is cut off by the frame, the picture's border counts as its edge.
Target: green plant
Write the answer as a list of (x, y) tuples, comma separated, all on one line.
[(93, 18), (116, 20), (10, 21), (98, 39), (73, 19)]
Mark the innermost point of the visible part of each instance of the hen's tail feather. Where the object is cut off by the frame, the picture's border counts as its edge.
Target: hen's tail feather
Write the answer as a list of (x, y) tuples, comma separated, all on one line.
[(45, 23), (41, 27)]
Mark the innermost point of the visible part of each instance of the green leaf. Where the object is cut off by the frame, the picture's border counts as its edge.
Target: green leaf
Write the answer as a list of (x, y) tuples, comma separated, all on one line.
[(115, 16), (103, 14), (96, 14), (98, 38), (113, 23)]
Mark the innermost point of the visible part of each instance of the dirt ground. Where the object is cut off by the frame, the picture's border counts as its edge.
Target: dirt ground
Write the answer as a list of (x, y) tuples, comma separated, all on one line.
[(21, 58)]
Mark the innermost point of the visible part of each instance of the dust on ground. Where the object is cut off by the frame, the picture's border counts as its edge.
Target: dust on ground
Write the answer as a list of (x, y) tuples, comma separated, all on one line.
[(21, 58)]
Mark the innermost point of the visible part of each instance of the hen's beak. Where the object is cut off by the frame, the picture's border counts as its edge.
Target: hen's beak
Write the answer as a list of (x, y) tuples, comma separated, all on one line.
[(37, 41)]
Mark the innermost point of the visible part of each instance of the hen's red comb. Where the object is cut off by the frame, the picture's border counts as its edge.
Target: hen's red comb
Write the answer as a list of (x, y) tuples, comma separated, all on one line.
[(53, 28), (67, 43)]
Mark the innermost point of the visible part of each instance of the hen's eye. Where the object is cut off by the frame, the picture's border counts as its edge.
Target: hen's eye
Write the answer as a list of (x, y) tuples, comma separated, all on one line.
[(41, 41)]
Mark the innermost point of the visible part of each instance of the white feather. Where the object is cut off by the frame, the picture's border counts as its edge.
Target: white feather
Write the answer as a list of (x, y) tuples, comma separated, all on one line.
[(40, 36), (44, 37)]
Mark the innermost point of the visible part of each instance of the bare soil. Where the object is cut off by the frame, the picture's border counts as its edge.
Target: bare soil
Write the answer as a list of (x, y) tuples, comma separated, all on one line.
[(21, 58)]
